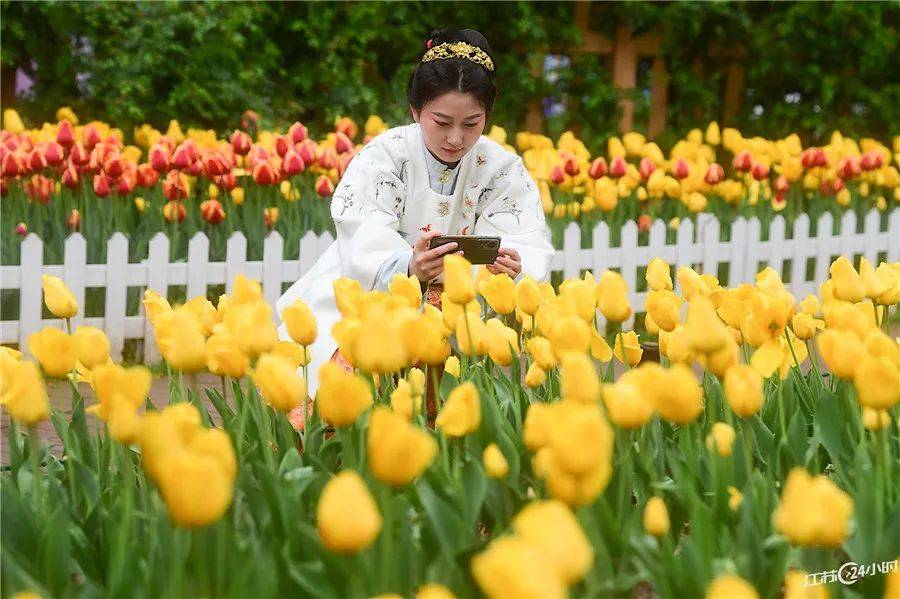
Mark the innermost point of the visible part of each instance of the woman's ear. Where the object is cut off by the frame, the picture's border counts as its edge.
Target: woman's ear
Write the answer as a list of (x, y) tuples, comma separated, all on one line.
[(415, 114)]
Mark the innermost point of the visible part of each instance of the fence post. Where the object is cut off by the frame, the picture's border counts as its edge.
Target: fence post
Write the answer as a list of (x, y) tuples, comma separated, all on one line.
[(30, 289), (197, 265), (116, 288), (235, 259), (75, 271), (158, 281), (572, 250), (273, 249), (799, 256), (824, 242)]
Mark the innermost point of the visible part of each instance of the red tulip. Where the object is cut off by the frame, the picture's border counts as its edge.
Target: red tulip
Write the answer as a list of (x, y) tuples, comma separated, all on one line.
[(646, 168), (779, 201), (342, 143), (257, 154), (65, 136), (297, 132), (871, 161), (21, 229), (79, 155), (13, 165), (126, 184), (743, 162), (146, 176), (344, 162), (54, 153), (327, 159), (618, 167), (808, 158), (292, 164), (571, 167), (102, 185), (849, 168), (212, 212), (714, 174), (681, 169), (240, 142), (557, 175), (70, 177), (183, 157), (264, 174), (90, 136), (174, 210), (282, 145), (821, 158), (324, 187), (760, 171), (73, 221), (39, 188), (307, 151), (782, 185), (598, 168), (159, 158), (226, 181), (214, 165), (114, 167), (174, 187), (36, 160), (644, 222)]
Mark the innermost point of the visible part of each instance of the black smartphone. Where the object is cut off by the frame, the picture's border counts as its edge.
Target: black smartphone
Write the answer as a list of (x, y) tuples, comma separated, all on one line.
[(475, 249)]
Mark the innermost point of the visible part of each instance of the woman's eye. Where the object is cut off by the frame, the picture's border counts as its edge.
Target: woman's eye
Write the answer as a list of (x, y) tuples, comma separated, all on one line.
[(440, 124), (471, 125)]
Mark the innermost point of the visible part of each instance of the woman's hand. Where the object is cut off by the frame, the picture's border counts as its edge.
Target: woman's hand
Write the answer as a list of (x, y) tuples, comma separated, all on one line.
[(426, 264), (507, 261)]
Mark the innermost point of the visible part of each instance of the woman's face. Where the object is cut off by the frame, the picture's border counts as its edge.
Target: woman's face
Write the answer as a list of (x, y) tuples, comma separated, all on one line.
[(451, 124)]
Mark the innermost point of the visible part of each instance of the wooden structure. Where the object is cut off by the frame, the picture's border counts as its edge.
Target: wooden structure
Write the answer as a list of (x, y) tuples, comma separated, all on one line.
[(627, 50)]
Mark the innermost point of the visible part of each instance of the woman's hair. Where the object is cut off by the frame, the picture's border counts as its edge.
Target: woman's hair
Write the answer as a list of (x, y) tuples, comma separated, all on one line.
[(432, 79)]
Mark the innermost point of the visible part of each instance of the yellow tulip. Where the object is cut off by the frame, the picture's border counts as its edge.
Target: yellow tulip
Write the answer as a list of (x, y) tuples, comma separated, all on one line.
[(552, 527), (500, 292), (514, 567), (612, 297), (58, 298), (582, 292), (744, 390), (93, 346), (579, 380), (300, 323), (196, 490), (729, 586), (407, 287), (347, 294), (528, 296), (180, 339), (278, 382), (541, 352), (23, 394), (848, 285), (55, 350), (876, 420), (877, 382), (720, 439), (251, 325), (347, 518), (458, 283), (398, 451), (664, 307), (404, 402), (805, 326), (627, 348), (813, 511), (164, 434), (810, 305), (342, 396), (567, 334), (580, 437), (12, 122), (500, 341), (600, 349), (495, 464), (627, 407), (451, 366), (705, 330), (155, 305), (461, 414), (681, 399), (205, 313), (735, 498), (297, 355), (469, 332), (416, 379), (224, 357), (656, 517), (842, 352), (535, 376)]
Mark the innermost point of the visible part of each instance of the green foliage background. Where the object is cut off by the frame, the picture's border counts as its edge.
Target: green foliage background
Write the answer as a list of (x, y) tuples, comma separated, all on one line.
[(205, 63)]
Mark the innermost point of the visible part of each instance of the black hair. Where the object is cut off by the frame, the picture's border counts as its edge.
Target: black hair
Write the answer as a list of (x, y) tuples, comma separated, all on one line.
[(437, 77)]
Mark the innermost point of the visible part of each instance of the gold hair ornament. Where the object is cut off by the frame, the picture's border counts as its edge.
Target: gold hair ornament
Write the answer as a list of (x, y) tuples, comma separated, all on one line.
[(459, 50)]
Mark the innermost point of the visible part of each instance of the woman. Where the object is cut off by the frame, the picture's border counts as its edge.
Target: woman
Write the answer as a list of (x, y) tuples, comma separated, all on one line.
[(436, 176)]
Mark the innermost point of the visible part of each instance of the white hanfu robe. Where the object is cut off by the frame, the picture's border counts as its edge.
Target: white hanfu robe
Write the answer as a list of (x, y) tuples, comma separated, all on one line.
[(385, 202)]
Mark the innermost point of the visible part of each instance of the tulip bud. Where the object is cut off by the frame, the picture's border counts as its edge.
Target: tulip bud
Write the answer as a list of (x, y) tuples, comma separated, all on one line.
[(808, 158), (237, 196), (240, 142), (65, 135), (346, 126), (13, 165), (644, 222), (324, 187), (307, 151), (174, 210), (618, 167), (495, 463), (347, 517), (73, 221), (264, 174), (782, 185), (70, 177), (681, 169), (342, 143), (293, 164), (182, 158), (327, 158), (598, 168), (656, 517), (101, 186), (175, 187), (297, 132), (849, 168), (159, 158), (760, 171), (270, 217), (90, 136), (571, 167), (212, 212), (54, 153), (714, 174), (21, 229), (646, 168), (36, 160), (743, 162), (871, 161), (140, 204)]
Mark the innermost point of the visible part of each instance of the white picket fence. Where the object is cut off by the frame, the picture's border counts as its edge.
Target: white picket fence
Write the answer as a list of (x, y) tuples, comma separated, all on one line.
[(696, 246)]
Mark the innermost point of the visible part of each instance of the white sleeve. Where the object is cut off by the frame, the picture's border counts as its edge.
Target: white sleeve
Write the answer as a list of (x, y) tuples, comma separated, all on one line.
[(510, 208)]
